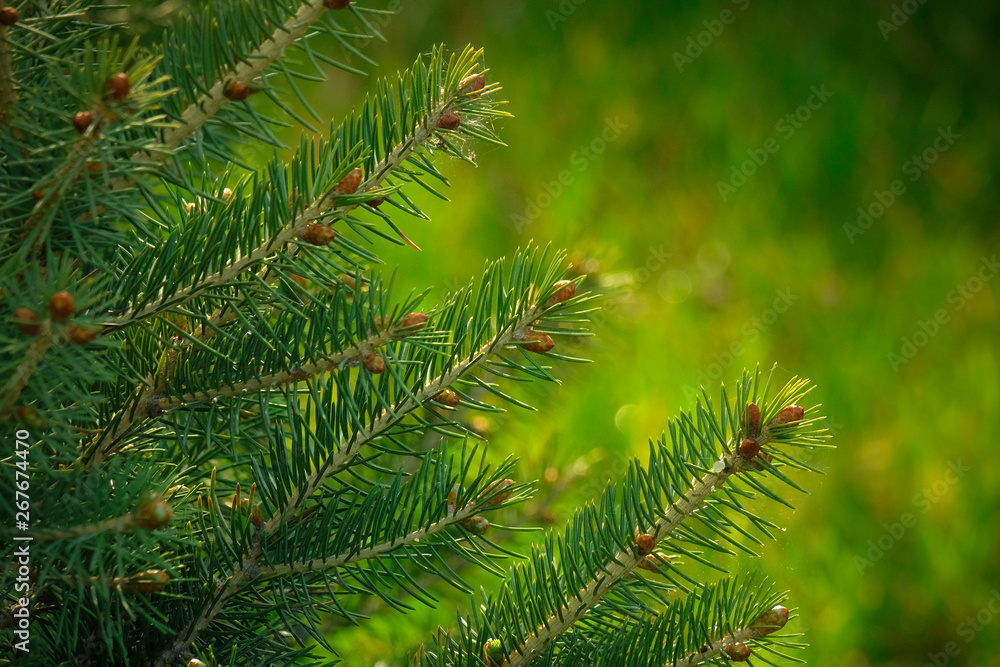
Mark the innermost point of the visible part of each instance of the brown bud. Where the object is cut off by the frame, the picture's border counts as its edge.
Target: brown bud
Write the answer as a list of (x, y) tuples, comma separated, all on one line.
[(375, 203), (447, 397), (453, 499), (790, 414), (749, 448), (653, 564), (256, 517), (62, 306), (374, 363), (80, 335), (493, 653), (154, 512), (38, 195), (319, 234), (477, 525), (566, 292), (752, 426), (757, 465), (148, 582), (472, 85), (337, 4), (82, 120), (737, 652), (28, 323), (349, 184), (349, 281), (8, 16), (94, 167), (412, 323), (535, 341), (30, 417), (644, 544), (118, 86), (237, 91), (450, 121), (299, 280), (772, 621), (503, 495)]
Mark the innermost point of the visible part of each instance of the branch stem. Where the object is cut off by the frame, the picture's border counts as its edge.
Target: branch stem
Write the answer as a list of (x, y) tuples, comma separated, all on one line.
[(249, 569)]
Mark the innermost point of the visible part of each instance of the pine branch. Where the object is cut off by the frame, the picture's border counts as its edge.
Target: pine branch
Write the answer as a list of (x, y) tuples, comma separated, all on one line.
[(321, 207), (624, 562), (209, 104), (603, 548), (248, 568), (335, 561), (716, 624), (150, 403)]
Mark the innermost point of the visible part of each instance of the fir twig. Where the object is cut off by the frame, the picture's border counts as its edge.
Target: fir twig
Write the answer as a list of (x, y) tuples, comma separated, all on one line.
[(249, 567), (322, 206), (623, 563), (209, 104), (150, 403)]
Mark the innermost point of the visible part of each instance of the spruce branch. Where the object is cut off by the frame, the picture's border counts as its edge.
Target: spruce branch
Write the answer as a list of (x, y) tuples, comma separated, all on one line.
[(334, 561), (716, 624), (245, 72), (622, 564), (530, 303), (334, 203), (150, 402), (712, 452)]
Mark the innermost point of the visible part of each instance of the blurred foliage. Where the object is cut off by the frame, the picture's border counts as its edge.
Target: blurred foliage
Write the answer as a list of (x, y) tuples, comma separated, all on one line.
[(695, 281)]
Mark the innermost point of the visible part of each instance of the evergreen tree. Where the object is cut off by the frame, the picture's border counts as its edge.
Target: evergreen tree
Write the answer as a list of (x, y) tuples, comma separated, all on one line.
[(213, 401)]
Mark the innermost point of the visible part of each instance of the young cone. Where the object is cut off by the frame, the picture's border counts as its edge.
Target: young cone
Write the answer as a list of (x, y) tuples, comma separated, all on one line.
[(374, 363), (118, 86), (8, 16), (82, 120), (789, 415), (319, 234), (447, 397), (349, 184), (536, 342), (566, 292), (29, 324), (62, 306), (450, 121)]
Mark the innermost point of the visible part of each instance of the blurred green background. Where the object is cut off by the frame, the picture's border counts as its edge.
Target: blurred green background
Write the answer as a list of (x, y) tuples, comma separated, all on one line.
[(893, 554)]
